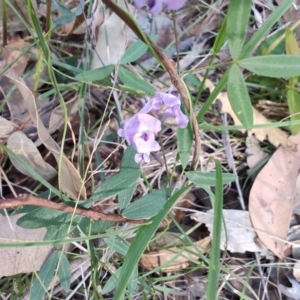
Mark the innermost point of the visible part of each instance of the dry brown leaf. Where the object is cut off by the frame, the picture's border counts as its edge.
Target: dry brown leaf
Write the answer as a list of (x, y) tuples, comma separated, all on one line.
[(274, 195), (275, 135), (22, 146), (111, 41), (17, 260), (158, 258), (6, 127), (70, 180), (239, 235)]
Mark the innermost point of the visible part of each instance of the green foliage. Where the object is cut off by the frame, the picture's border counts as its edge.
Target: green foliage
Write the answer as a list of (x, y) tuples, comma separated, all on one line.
[(239, 97), (124, 181), (134, 52), (184, 144), (135, 82), (95, 75), (44, 277), (237, 25), (147, 206), (208, 178), (64, 272)]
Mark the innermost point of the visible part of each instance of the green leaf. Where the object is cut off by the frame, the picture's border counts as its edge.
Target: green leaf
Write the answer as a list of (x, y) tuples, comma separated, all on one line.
[(266, 27), (140, 243), (115, 185), (221, 37), (208, 178), (293, 96), (125, 180), (237, 23), (184, 144), (95, 75), (117, 245), (134, 52), (64, 272), (147, 206), (239, 97), (112, 281), (43, 217), (275, 66), (125, 197), (44, 277), (214, 261), (135, 82)]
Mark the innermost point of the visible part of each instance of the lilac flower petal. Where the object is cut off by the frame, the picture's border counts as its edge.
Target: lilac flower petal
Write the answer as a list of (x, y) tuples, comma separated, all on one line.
[(140, 3), (145, 146), (141, 157), (157, 8), (151, 104), (168, 99), (174, 4)]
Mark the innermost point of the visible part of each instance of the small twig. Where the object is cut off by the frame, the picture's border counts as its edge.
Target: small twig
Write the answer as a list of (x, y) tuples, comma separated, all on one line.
[(88, 213)]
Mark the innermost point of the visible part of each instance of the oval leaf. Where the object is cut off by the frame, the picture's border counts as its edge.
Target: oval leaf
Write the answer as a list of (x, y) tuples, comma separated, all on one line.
[(134, 52), (135, 82), (275, 66), (239, 98), (147, 206), (96, 74), (208, 178), (184, 143)]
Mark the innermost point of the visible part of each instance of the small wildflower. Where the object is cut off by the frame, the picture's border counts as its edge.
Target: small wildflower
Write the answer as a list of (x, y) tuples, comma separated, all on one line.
[(140, 131), (166, 107), (156, 6)]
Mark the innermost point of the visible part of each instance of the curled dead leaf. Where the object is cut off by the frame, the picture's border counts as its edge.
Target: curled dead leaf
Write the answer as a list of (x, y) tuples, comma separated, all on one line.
[(6, 127), (23, 147), (174, 258), (69, 180), (273, 196)]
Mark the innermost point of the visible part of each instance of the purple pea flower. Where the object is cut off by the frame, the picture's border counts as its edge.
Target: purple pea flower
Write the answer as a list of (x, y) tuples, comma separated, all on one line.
[(166, 107), (156, 6), (140, 131)]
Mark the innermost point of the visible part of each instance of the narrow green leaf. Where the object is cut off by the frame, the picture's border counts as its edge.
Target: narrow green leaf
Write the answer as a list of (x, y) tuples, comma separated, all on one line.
[(117, 245), (208, 178), (275, 66), (184, 144), (237, 23), (293, 96), (135, 82), (44, 277), (112, 281), (214, 261), (266, 27), (221, 37), (134, 52), (147, 206), (95, 75), (64, 272), (291, 45), (140, 243), (239, 97)]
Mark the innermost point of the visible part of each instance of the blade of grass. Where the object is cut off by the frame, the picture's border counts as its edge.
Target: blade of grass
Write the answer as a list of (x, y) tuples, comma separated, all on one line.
[(214, 264), (140, 243)]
